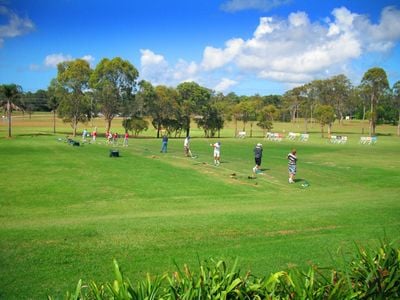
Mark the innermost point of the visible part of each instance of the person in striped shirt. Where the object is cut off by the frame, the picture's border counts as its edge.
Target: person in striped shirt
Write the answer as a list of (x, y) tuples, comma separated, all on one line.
[(292, 160)]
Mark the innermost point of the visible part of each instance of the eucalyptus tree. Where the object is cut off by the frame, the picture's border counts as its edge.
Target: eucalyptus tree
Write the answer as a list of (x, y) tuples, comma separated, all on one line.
[(325, 114), (10, 95), (211, 120), (165, 110), (266, 117), (396, 102), (255, 105), (192, 98), (374, 85), (114, 86), (73, 77), (339, 88), (292, 101), (55, 94)]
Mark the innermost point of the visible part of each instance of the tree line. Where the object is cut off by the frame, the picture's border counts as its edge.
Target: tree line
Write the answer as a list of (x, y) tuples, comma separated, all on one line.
[(79, 93)]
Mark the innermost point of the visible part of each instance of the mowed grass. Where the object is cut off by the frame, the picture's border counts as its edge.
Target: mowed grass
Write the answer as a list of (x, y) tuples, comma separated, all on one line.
[(66, 212)]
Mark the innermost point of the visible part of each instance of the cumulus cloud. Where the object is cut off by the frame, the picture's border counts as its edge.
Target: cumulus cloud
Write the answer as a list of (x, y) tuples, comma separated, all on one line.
[(292, 50), (52, 60), (297, 50), (224, 85), (263, 5), (156, 69), (14, 26)]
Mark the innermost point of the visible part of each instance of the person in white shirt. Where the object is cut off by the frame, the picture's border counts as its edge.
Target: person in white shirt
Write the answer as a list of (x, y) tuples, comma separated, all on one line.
[(217, 153), (186, 146)]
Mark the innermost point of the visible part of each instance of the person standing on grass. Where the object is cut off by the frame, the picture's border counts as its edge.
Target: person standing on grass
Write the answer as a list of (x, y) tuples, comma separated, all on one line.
[(292, 160), (164, 143), (126, 136), (258, 151), (186, 146), (84, 133), (217, 153), (115, 138), (94, 134)]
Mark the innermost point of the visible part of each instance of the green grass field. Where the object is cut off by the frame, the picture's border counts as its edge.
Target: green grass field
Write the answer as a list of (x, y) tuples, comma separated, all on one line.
[(66, 212)]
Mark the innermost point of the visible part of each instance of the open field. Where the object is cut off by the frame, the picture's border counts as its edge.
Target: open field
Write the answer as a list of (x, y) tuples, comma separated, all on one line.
[(66, 212)]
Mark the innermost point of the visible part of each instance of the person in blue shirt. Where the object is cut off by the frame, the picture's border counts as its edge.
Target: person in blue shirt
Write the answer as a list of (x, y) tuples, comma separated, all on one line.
[(164, 144)]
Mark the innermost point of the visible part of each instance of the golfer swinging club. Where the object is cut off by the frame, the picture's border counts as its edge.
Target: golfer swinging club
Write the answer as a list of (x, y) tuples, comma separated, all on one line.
[(217, 153), (186, 147), (258, 150)]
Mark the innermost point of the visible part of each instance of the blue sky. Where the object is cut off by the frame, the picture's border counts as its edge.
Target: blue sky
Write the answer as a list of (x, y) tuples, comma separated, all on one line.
[(241, 46)]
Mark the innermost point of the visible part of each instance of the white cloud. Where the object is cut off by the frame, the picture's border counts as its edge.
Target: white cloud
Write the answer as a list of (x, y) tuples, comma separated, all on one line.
[(297, 50), (214, 58), (52, 60), (225, 84), (263, 5), (15, 25), (292, 51), (156, 69), (89, 58)]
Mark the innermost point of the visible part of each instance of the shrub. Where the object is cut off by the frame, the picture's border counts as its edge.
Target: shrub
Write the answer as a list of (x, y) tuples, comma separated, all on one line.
[(368, 275)]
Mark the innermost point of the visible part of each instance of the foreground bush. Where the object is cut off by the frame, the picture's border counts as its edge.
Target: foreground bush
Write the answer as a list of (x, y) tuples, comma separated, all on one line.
[(368, 275)]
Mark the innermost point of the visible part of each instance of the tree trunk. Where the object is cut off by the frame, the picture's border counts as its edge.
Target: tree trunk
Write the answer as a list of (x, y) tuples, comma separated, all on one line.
[(329, 129), (75, 127), (306, 123), (54, 121), (373, 125), (322, 131), (363, 118), (188, 126), (108, 122), (398, 126), (236, 130), (158, 129), (9, 117), (251, 129)]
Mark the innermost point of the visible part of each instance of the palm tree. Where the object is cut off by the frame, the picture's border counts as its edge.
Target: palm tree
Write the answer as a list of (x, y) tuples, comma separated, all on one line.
[(9, 95)]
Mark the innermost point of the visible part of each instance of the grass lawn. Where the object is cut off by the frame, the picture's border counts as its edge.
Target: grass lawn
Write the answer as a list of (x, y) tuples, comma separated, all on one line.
[(66, 212)]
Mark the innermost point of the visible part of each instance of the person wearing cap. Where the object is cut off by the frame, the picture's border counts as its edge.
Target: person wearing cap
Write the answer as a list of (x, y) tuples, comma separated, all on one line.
[(258, 150), (186, 146), (292, 161), (217, 153)]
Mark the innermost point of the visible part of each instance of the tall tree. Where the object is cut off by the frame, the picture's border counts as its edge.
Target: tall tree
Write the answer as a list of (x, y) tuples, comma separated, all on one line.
[(211, 120), (55, 94), (169, 112), (325, 114), (375, 85), (114, 84), (292, 100), (396, 102), (75, 104), (9, 97), (266, 117), (192, 98), (339, 94)]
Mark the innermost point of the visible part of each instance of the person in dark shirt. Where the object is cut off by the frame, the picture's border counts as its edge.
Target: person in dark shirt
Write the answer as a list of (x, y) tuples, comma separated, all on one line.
[(164, 144), (258, 150)]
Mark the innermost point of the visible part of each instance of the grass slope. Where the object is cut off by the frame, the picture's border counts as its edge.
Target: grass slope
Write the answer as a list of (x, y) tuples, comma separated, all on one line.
[(66, 212)]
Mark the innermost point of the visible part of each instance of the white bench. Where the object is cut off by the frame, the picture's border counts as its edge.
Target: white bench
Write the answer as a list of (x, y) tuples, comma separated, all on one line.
[(338, 139), (241, 134), (304, 137)]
